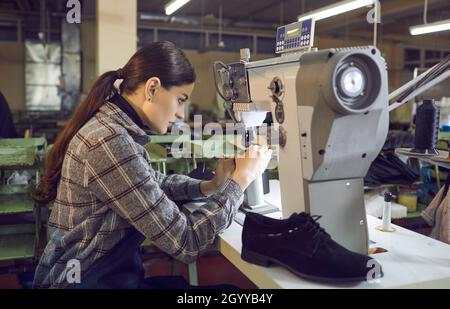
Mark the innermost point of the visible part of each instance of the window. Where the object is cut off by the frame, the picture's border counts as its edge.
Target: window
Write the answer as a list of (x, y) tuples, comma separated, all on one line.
[(233, 43), (8, 31), (410, 66), (265, 45), (423, 58), (145, 36), (429, 64), (432, 54), (195, 40), (183, 39), (412, 54), (42, 76)]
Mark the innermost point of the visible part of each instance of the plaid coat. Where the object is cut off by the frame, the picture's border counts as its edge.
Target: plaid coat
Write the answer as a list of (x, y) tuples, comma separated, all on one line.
[(108, 186)]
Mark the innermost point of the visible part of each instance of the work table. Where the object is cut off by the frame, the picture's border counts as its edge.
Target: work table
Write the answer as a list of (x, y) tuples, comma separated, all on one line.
[(412, 260)]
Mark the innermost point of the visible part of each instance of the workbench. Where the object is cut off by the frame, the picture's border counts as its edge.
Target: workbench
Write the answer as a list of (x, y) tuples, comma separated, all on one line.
[(412, 260)]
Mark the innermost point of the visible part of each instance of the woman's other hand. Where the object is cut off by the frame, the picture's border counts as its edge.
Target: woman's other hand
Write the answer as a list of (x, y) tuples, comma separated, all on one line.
[(224, 170), (251, 165)]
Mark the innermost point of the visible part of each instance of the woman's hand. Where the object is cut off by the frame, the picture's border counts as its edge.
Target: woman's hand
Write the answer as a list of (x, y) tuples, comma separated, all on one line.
[(247, 168), (252, 165), (224, 170)]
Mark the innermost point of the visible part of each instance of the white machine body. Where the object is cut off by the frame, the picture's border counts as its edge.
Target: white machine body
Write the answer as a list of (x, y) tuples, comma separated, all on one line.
[(331, 108)]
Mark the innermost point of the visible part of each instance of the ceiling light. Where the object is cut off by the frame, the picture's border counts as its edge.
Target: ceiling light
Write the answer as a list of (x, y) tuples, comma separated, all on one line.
[(174, 6), (335, 9), (430, 27)]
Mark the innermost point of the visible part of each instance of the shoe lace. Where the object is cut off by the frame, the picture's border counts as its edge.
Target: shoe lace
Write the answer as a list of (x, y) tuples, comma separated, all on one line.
[(315, 226), (309, 226), (312, 226)]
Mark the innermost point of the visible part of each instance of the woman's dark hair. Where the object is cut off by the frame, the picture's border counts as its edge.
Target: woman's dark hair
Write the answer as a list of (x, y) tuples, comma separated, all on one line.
[(161, 59)]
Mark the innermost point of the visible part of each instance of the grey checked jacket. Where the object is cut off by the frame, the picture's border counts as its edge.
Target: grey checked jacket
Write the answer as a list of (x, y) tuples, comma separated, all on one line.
[(108, 185)]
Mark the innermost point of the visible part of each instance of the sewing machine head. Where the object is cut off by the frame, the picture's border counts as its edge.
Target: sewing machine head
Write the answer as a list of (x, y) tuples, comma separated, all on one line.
[(330, 107)]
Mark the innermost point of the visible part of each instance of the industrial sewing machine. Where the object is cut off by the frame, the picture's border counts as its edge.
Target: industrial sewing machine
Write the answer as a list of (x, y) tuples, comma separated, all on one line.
[(331, 109)]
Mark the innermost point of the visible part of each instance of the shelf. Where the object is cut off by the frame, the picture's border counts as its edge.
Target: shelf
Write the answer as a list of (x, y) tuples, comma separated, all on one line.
[(15, 204), (167, 139), (382, 186), (17, 242), (417, 213), (18, 157), (39, 142), (156, 152), (442, 157), (390, 185), (16, 189), (15, 199)]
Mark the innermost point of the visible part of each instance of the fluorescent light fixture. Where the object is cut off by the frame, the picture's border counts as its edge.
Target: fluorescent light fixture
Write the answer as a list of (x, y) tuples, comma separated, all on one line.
[(174, 6), (335, 9), (430, 27)]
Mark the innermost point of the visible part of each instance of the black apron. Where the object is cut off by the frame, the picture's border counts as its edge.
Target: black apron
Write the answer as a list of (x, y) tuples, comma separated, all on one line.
[(121, 268)]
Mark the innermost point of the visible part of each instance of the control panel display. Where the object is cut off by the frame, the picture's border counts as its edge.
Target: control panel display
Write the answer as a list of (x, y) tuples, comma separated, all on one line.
[(295, 36)]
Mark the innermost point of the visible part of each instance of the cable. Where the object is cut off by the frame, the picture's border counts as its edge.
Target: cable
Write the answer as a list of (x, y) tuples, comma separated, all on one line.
[(215, 78), (442, 67), (227, 101), (420, 84), (430, 75), (425, 11), (376, 8)]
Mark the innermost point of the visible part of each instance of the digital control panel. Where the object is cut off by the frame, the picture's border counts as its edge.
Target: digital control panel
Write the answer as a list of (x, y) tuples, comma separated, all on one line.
[(295, 36)]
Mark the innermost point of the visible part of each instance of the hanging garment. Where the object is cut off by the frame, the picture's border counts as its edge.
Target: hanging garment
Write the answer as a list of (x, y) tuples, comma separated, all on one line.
[(388, 168), (437, 214)]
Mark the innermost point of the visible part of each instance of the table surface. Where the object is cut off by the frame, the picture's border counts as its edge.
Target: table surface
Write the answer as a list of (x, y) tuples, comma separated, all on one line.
[(412, 260)]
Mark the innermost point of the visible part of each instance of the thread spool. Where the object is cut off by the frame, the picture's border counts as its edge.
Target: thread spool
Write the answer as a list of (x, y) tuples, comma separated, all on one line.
[(387, 209), (427, 128)]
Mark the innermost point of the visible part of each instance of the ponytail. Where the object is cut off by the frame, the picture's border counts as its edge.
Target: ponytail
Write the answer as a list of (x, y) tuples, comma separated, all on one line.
[(102, 89), (161, 59)]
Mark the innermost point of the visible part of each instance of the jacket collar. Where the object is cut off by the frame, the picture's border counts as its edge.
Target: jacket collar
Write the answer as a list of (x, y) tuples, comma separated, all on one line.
[(125, 119), (126, 107)]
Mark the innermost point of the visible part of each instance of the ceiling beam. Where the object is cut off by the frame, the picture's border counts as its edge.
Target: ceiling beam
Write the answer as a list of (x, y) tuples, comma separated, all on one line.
[(396, 38), (23, 5), (205, 28), (265, 8)]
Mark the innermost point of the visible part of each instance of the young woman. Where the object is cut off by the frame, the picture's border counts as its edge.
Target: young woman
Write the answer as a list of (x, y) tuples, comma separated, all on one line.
[(107, 198)]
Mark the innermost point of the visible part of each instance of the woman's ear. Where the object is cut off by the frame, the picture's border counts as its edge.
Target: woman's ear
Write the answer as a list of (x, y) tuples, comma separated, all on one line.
[(151, 86)]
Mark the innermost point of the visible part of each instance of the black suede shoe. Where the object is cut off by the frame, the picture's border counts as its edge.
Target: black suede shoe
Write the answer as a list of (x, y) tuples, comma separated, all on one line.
[(302, 246)]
